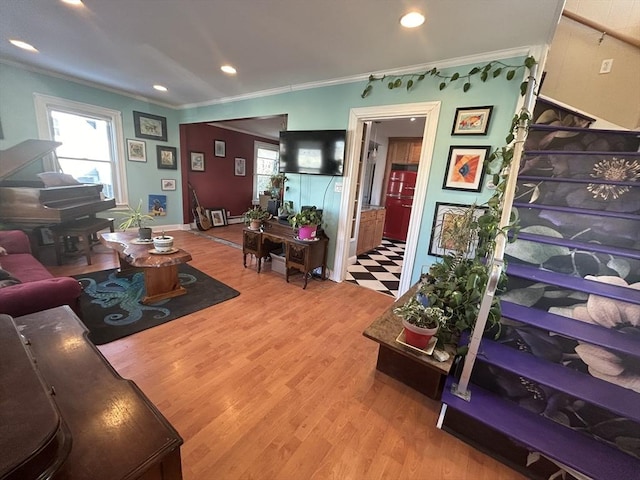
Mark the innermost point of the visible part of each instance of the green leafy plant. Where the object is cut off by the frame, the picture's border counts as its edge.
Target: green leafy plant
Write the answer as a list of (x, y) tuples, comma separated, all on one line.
[(415, 313), (310, 216), (491, 70), (134, 217), (255, 214)]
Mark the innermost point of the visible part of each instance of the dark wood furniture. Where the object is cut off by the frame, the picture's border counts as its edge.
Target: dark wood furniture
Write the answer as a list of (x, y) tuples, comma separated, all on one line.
[(300, 255), (160, 271), (421, 372), (116, 432), (85, 228)]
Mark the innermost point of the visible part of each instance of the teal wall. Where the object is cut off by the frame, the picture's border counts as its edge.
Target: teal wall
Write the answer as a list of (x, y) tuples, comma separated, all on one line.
[(318, 108)]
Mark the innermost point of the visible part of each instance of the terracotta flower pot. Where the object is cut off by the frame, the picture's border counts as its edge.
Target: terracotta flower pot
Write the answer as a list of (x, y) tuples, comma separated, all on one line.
[(255, 224), (417, 336)]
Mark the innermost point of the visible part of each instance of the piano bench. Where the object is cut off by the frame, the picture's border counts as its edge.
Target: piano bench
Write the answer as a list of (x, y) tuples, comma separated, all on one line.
[(85, 228)]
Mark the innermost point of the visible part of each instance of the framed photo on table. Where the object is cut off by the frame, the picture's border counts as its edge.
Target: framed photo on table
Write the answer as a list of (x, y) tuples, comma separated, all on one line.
[(448, 229), (197, 161), (465, 168), (136, 150), (150, 126), (167, 157), (472, 121)]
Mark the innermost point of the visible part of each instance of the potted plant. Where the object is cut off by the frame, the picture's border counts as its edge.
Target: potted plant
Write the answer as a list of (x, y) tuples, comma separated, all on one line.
[(277, 185), (255, 216), (163, 243), (136, 217), (420, 321), (307, 222)]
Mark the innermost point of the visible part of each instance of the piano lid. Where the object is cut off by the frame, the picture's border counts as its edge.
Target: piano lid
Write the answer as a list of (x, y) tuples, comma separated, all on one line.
[(19, 156)]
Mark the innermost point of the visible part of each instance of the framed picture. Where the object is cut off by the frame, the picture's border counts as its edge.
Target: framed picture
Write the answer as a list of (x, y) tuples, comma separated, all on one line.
[(471, 121), (167, 157), (150, 126), (218, 217), (449, 235), (197, 161), (158, 205), (219, 148), (136, 150), (167, 184), (240, 169), (465, 168)]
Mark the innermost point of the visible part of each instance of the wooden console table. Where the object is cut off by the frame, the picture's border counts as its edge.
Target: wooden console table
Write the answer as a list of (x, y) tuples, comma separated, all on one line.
[(116, 432), (300, 255), (421, 372), (161, 279)]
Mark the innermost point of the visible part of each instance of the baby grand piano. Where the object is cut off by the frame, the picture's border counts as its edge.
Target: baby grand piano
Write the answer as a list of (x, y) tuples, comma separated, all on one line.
[(26, 203)]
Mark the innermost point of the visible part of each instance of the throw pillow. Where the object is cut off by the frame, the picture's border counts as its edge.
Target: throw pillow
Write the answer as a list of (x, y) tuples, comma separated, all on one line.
[(6, 280)]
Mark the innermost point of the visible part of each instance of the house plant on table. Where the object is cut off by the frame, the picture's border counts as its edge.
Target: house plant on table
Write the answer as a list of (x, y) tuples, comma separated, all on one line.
[(420, 321), (255, 216), (306, 222), (136, 217), (163, 243)]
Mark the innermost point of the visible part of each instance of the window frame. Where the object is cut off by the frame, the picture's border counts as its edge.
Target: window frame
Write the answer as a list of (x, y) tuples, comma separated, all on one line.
[(45, 103), (266, 146)]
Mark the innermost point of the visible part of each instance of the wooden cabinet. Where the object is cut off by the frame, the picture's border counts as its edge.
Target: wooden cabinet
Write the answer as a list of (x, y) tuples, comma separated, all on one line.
[(404, 150), (370, 231)]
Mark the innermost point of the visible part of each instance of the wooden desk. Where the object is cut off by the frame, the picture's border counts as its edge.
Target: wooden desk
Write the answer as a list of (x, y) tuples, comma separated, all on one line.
[(117, 433), (421, 372), (160, 271), (299, 255)]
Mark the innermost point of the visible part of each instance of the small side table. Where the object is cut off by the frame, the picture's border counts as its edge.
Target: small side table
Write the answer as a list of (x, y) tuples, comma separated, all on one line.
[(86, 228)]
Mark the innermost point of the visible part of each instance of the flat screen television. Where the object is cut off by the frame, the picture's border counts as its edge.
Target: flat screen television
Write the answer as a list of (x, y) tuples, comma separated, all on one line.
[(316, 152)]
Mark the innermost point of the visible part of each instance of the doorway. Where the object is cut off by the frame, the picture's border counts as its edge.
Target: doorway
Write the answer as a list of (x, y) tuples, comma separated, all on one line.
[(351, 199)]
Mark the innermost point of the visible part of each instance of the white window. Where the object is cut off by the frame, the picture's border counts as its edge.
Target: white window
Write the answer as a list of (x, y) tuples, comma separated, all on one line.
[(266, 164), (92, 145)]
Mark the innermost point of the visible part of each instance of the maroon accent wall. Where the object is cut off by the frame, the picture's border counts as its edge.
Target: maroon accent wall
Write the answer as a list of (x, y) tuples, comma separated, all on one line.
[(217, 186)]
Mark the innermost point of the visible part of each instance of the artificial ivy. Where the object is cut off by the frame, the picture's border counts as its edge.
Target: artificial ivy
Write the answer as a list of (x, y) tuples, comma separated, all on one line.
[(492, 69)]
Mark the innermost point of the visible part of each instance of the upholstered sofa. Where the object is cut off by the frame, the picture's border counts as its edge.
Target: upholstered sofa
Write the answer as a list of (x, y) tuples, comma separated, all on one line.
[(26, 286)]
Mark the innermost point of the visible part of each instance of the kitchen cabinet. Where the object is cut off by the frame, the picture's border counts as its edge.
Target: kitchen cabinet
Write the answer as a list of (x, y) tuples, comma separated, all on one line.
[(371, 228), (404, 150)]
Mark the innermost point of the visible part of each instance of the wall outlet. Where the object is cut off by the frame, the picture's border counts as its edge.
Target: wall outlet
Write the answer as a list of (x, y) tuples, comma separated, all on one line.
[(606, 65), (338, 187)]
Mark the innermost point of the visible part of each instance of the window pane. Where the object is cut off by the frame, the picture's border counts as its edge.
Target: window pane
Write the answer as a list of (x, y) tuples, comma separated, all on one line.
[(81, 136), (87, 171), (263, 183)]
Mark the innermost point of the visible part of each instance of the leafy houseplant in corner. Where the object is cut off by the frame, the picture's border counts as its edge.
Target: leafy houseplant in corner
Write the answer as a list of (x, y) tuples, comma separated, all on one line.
[(306, 222), (420, 321), (135, 217), (254, 217)]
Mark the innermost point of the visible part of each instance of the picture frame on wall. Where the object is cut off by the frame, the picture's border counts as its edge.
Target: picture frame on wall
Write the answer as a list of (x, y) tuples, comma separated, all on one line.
[(136, 150), (218, 217), (197, 161), (240, 167), (167, 157), (219, 148), (168, 184), (151, 127), (472, 121), (466, 168), (446, 214)]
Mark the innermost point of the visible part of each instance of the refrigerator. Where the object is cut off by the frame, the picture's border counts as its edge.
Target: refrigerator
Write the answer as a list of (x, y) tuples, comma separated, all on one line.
[(398, 203)]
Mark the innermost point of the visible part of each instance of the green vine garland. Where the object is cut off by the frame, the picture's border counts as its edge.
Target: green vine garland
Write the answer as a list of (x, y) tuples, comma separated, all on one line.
[(492, 69)]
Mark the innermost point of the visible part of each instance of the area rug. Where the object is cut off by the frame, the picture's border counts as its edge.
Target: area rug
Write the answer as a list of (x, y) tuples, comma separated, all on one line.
[(111, 307)]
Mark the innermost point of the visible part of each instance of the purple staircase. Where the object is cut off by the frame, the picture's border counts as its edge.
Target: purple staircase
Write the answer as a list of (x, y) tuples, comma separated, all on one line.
[(562, 377)]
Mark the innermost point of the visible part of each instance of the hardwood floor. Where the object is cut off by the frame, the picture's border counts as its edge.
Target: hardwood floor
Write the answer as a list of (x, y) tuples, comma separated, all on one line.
[(279, 383)]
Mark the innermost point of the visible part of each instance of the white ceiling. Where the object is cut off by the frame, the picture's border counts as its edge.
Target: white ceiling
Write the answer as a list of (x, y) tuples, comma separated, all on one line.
[(129, 45)]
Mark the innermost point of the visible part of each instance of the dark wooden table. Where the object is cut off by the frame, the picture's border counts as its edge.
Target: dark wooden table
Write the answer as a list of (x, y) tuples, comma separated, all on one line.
[(116, 432), (160, 271), (421, 372)]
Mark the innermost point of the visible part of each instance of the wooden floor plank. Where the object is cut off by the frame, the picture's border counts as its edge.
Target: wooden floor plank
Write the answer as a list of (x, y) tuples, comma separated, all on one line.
[(279, 383)]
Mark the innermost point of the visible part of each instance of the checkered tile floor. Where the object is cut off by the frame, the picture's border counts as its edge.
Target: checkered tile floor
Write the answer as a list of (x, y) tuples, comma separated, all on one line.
[(379, 269)]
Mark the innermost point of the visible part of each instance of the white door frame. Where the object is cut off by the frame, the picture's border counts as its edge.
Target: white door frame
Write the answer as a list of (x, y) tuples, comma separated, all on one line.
[(357, 117)]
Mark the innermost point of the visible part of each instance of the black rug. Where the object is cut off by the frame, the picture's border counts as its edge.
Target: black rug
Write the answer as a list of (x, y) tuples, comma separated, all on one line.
[(111, 306)]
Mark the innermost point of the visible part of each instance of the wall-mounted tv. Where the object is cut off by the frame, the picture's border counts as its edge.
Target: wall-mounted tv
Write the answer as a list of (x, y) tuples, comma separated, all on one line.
[(317, 152)]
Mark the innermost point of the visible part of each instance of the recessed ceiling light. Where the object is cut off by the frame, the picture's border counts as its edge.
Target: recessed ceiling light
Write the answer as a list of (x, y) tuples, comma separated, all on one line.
[(161, 88), (412, 20), (413, 119), (75, 3), (23, 45), (228, 69)]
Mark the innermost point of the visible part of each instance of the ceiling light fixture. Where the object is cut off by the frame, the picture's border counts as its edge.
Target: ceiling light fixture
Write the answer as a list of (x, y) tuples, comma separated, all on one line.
[(23, 45), (228, 69), (75, 3), (160, 88), (412, 119), (412, 20)]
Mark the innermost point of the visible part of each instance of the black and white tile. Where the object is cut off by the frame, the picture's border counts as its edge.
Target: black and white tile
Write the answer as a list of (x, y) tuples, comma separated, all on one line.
[(379, 269)]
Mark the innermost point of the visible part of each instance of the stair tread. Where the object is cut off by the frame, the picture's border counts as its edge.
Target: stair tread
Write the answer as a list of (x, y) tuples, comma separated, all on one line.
[(588, 246), (540, 126), (579, 211), (624, 294), (575, 450), (579, 152), (587, 180), (612, 397), (593, 334)]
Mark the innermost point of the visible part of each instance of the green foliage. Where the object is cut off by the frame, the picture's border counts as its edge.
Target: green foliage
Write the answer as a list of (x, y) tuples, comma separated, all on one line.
[(307, 217), (255, 213), (134, 217), (492, 69), (415, 313)]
